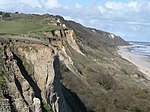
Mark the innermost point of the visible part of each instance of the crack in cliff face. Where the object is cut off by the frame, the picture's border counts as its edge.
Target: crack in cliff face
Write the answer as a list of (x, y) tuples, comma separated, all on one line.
[(54, 95), (36, 89), (7, 96), (56, 65), (67, 100), (19, 87)]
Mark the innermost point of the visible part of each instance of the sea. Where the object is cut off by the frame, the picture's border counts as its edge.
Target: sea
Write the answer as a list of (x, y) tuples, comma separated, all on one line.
[(140, 48)]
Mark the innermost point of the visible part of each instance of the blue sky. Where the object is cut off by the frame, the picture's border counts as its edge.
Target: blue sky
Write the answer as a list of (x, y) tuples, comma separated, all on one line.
[(129, 19)]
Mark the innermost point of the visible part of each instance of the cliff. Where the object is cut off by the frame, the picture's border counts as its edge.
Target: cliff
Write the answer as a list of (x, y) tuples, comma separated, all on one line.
[(65, 67)]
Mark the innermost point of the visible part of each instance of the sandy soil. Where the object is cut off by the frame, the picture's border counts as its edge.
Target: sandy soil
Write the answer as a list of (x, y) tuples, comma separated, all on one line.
[(142, 62)]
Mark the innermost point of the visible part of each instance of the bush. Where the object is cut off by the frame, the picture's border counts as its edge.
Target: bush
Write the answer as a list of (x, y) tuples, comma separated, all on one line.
[(5, 15)]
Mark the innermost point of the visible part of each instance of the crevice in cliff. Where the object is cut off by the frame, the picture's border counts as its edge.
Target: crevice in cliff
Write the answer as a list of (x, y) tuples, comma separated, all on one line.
[(5, 54), (7, 96), (68, 101), (55, 91), (54, 95), (36, 89), (19, 87), (56, 65)]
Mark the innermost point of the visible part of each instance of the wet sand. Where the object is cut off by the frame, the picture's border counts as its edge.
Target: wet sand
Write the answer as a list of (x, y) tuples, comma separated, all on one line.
[(142, 62)]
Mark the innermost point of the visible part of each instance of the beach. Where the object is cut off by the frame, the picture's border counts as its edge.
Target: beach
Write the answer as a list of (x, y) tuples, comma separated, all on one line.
[(142, 62)]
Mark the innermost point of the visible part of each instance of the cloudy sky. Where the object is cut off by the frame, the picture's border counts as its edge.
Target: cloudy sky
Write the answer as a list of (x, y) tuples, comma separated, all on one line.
[(129, 19)]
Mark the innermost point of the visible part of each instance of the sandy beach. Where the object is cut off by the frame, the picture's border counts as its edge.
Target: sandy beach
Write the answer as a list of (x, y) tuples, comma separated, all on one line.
[(142, 62)]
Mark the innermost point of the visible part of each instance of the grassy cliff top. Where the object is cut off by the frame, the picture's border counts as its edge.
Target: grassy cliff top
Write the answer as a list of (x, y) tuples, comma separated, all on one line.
[(18, 24)]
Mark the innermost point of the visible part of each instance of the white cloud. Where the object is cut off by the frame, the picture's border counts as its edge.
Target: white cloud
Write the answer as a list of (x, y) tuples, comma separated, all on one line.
[(101, 9), (52, 4), (114, 5), (132, 4), (77, 5)]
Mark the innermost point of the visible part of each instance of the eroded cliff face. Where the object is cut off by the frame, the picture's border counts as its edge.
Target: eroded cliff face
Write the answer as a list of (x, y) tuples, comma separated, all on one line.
[(33, 81), (28, 91), (70, 74)]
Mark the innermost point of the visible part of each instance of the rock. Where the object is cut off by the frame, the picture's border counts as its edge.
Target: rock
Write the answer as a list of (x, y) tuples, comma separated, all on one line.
[(63, 25), (13, 89), (9, 53), (4, 105), (20, 105), (71, 40), (37, 105), (135, 76), (26, 86), (57, 33)]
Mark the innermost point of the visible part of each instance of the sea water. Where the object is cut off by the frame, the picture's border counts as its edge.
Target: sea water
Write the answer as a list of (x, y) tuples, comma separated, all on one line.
[(140, 48)]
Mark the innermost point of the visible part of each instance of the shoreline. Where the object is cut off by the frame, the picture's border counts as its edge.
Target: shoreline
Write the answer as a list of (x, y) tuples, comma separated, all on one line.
[(142, 62)]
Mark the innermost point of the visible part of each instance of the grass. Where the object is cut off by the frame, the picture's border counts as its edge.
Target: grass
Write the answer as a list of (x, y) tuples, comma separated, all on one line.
[(45, 105), (80, 62), (16, 27), (28, 29)]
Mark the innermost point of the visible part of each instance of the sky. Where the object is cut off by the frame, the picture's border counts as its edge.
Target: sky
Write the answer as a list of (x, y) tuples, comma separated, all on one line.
[(129, 19)]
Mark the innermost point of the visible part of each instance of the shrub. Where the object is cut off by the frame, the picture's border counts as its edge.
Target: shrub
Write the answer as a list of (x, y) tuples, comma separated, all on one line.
[(5, 15)]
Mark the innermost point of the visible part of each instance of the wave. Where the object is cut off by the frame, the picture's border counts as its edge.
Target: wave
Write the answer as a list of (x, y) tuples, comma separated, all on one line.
[(140, 48)]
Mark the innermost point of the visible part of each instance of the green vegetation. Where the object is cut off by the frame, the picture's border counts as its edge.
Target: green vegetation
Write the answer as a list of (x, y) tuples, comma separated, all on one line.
[(18, 27), (80, 62), (107, 84), (52, 27), (5, 15), (33, 24), (105, 89), (29, 28), (46, 106)]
